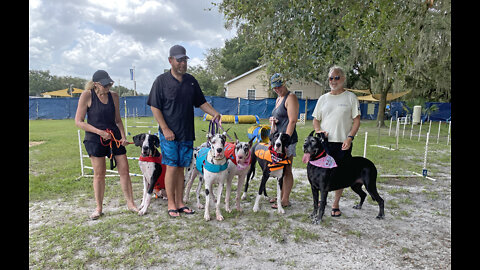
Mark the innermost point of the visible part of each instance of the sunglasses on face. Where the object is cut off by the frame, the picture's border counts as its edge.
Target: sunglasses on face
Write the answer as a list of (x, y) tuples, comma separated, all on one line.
[(183, 59), (336, 78)]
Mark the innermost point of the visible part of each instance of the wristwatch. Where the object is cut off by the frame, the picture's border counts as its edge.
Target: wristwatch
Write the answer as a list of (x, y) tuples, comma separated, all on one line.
[(353, 137)]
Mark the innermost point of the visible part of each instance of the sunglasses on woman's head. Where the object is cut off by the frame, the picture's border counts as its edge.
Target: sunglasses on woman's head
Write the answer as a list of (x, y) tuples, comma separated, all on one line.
[(336, 78)]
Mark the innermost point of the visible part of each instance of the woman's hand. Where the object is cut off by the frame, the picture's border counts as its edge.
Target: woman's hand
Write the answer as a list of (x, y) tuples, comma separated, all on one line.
[(105, 135), (347, 143)]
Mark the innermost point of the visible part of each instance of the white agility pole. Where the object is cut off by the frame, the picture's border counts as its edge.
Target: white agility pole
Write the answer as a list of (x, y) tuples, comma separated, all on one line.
[(438, 135), (429, 126), (397, 133), (80, 149), (411, 131), (126, 126), (365, 146), (404, 125), (420, 130), (424, 170), (390, 128), (449, 128)]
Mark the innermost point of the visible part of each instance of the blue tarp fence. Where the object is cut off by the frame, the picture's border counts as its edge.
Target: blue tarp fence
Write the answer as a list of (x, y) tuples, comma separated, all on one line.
[(65, 108)]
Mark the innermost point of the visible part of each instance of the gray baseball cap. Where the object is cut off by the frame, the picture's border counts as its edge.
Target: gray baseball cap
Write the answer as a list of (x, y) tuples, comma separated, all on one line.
[(178, 52)]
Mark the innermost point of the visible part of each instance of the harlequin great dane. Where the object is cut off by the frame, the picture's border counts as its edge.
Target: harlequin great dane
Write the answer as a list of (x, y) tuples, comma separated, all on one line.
[(212, 165), (150, 163), (239, 156), (272, 159), (324, 175)]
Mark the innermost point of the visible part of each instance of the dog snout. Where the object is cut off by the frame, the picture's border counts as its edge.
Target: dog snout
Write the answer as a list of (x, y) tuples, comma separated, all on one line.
[(278, 145), (219, 150)]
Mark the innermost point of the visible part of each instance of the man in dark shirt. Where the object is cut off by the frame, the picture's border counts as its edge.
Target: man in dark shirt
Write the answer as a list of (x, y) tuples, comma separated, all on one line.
[(172, 98)]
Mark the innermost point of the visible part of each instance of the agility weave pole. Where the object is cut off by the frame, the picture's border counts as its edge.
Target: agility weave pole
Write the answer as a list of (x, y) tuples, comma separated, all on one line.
[(414, 174), (127, 126), (82, 166)]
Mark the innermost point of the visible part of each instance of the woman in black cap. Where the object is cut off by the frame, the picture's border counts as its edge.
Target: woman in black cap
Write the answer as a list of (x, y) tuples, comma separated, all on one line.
[(103, 122)]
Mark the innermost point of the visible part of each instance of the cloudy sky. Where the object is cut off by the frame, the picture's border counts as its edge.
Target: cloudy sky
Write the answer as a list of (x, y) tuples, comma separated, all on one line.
[(77, 37)]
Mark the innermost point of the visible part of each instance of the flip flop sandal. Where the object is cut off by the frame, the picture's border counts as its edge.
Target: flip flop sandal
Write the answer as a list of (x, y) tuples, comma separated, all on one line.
[(274, 200), (275, 206), (335, 210), (185, 209), (172, 211), (95, 215)]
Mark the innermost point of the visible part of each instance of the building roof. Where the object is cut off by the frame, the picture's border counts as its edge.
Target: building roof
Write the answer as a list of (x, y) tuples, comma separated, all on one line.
[(244, 74)]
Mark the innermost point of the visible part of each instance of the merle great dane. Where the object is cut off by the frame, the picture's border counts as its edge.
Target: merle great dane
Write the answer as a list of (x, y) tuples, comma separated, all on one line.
[(353, 172)]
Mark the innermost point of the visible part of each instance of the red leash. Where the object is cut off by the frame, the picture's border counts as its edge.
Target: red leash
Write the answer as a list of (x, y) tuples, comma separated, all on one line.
[(109, 143)]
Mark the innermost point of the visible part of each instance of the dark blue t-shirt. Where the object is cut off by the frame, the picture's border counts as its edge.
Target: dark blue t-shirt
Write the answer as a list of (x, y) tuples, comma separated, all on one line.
[(176, 101)]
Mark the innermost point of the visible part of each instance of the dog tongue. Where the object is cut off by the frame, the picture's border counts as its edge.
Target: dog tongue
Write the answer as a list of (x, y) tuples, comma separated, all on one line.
[(306, 158)]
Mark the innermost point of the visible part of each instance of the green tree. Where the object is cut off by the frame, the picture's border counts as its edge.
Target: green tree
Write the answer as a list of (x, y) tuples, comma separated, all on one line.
[(240, 55), (380, 41)]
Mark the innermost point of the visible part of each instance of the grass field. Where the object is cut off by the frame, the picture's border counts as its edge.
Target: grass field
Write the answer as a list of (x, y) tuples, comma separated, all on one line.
[(54, 163), (61, 236)]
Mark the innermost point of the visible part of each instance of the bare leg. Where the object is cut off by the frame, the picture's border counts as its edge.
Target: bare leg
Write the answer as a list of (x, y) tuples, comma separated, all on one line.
[(287, 185), (99, 167), (170, 187), (125, 181), (336, 205)]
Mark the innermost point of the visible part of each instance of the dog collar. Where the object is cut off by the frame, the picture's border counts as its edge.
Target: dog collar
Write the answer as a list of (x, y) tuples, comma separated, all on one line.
[(276, 157), (151, 159), (318, 156)]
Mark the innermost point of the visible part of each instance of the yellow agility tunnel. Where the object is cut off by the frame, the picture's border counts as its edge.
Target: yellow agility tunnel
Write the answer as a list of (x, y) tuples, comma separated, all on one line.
[(237, 119), (259, 132)]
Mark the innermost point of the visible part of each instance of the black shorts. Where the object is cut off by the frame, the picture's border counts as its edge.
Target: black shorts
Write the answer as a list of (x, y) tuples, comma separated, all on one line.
[(335, 150), (96, 149)]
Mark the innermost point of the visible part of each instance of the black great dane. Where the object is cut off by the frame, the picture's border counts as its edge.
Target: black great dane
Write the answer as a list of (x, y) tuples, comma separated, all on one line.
[(353, 172)]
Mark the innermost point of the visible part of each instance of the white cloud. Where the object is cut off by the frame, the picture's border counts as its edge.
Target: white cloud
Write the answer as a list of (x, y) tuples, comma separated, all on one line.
[(77, 37)]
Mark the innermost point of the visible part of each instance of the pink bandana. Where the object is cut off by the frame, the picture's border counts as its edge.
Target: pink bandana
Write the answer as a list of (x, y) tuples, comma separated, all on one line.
[(325, 162)]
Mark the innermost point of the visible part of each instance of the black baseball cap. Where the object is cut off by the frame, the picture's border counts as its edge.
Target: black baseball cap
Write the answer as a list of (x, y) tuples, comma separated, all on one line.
[(178, 52), (102, 77)]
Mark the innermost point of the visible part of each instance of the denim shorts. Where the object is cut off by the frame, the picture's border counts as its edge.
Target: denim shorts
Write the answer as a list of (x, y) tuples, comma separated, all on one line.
[(174, 153)]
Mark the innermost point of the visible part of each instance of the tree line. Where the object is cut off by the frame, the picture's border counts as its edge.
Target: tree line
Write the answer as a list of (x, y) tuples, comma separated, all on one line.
[(41, 81)]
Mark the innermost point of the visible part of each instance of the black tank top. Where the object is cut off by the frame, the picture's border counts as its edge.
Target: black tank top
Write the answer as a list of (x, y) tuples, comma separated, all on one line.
[(101, 116), (281, 114)]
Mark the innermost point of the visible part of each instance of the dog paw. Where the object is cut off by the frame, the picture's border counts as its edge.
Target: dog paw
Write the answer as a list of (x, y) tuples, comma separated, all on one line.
[(228, 209), (255, 209), (142, 212), (316, 221), (199, 206), (280, 211), (244, 196), (206, 217), (358, 206), (239, 209), (380, 216), (219, 217)]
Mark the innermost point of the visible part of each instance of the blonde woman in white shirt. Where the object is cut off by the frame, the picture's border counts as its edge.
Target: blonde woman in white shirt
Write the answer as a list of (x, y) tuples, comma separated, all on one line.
[(337, 115)]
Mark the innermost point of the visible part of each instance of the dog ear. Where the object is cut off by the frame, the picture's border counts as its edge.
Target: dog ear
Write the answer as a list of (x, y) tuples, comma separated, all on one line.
[(251, 142), (236, 138), (138, 139), (311, 133), (156, 141)]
